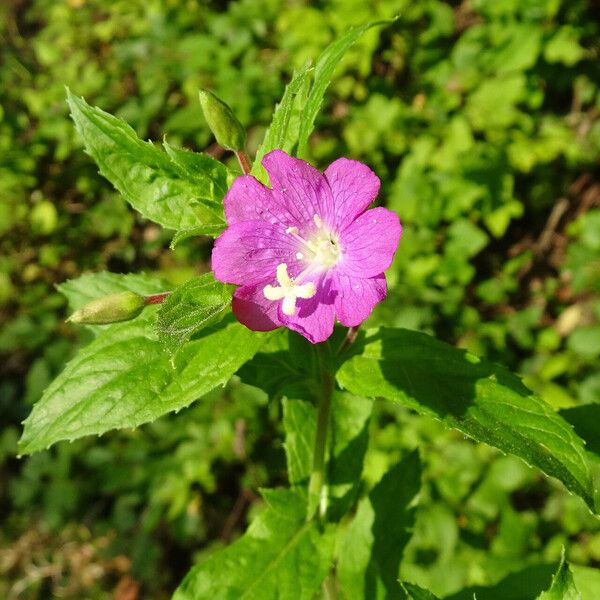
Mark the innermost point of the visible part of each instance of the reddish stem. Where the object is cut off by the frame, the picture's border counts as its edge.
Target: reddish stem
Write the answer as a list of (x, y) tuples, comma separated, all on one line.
[(243, 160), (157, 298)]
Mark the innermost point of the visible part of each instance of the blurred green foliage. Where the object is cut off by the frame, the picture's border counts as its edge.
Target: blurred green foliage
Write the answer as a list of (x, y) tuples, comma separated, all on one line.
[(482, 119)]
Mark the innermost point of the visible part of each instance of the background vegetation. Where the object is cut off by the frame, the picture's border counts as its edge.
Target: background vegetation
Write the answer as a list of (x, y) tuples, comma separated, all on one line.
[(481, 117)]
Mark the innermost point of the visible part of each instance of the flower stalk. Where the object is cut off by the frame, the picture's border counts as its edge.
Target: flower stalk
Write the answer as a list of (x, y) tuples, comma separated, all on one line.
[(317, 486)]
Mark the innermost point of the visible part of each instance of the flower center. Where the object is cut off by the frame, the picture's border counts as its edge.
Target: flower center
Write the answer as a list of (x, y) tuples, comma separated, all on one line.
[(321, 252), (322, 249)]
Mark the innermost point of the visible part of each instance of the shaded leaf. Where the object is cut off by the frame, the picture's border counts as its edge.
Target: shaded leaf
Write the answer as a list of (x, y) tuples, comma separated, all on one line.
[(414, 592), (371, 546), (280, 557), (481, 399)]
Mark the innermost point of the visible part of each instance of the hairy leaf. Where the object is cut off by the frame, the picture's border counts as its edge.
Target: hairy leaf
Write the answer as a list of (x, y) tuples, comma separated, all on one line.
[(481, 399), (196, 304), (125, 378), (371, 546), (280, 557), (159, 189)]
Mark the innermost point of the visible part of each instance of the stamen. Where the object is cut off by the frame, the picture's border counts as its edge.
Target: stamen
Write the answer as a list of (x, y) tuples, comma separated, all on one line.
[(318, 221), (292, 230), (299, 255)]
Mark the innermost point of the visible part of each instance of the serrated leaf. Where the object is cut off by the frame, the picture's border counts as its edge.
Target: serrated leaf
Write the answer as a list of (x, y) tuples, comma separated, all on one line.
[(125, 378), (191, 307), (563, 586), (285, 126), (207, 230), (371, 547), (143, 174), (280, 557), (324, 68), (483, 400)]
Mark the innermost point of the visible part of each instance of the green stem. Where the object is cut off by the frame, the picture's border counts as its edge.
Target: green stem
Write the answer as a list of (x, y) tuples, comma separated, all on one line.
[(317, 488)]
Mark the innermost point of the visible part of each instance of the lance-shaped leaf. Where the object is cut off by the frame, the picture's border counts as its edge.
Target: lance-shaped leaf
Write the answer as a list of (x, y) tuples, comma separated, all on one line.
[(280, 557), (158, 188), (125, 378), (196, 304), (481, 399), (285, 126), (324, 68)]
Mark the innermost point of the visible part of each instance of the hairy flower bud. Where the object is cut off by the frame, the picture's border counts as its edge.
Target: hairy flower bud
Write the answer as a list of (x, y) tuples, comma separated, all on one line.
[(110, 309), (228, 131)]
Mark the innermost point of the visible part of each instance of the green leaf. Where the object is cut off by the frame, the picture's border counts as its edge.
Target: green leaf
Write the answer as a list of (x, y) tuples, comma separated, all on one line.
[(324, 68), (280, 557), (586, 421), (523, 585), (154, 185), (371, 547), (207, 230), (587, 581), (196, 304), (350, 416), (300, 423), (285, 126), (91, 286), (212, 176), (563, 585), (125, 378), (482, 400), (414, 592)]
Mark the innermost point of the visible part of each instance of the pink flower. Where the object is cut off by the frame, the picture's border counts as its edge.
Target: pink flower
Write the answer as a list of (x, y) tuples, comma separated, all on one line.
[(306, 251)]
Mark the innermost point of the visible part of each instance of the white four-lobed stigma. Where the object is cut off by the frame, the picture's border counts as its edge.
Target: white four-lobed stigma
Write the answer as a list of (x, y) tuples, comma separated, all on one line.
[(288, 290)]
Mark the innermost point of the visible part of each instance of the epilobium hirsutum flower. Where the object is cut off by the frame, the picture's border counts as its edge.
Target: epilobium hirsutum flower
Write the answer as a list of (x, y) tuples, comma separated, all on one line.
[(306, 251)]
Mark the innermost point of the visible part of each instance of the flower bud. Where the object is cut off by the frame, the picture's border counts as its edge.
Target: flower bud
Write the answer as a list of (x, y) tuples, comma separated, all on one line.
[(110, 309), (228, 131)]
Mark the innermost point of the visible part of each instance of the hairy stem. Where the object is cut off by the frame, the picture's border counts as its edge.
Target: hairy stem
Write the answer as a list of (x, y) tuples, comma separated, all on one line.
[(317, 486), (243, 160)]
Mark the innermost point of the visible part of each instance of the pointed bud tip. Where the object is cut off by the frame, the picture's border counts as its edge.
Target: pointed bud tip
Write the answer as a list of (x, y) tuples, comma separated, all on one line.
[(226, 128), (110, 309)]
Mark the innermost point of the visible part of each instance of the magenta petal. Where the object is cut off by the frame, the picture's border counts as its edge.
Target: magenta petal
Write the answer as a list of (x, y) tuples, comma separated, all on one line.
[(356, 298), (369, 243), (314, 317), (253, 310), (353, 186), (247, 253), (250, 200), (299, 187)]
